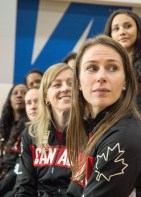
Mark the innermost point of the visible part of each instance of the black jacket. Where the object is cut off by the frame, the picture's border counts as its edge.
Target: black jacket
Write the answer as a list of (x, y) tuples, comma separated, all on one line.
[(9, 159), (114, 166), (43, 172)]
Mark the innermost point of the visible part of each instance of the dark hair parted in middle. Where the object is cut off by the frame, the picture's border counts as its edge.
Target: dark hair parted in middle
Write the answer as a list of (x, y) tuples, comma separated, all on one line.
[(79, 109)]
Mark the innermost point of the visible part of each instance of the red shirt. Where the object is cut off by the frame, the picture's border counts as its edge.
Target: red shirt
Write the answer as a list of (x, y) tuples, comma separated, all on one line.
[(59, 135)]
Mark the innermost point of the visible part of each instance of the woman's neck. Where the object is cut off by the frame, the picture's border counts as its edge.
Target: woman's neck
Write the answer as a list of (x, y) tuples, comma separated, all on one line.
[(130, 53), (17, 115), (61, 120)]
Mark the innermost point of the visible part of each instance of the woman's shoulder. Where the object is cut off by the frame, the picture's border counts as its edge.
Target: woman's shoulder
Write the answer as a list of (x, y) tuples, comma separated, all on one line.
[(26, 136), (125, 131), (123, 137), (129, 121)]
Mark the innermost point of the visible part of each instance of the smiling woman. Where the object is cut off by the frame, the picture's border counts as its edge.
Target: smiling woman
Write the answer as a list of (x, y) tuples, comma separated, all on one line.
[(58, 94), (44, 160)]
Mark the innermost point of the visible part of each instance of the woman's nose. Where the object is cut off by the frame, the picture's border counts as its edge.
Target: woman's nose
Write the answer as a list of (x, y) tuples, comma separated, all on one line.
[(101, 75), (122, 31), (65, 87), (34, 105)]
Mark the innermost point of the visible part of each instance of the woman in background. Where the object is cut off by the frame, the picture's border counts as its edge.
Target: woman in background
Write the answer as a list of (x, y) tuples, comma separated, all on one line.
[(33, 78), (124, 26), (70, 58), (11, 126), (31, 102), (31, 106)]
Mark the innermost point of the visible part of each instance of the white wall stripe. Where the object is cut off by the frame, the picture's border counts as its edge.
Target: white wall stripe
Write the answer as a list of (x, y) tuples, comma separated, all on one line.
[(83, 36), (49, 15), (7, 39), (7, 46), (135, 3)]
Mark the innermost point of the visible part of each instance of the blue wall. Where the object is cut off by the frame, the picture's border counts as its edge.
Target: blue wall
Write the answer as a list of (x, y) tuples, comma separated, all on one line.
[(62, 40)]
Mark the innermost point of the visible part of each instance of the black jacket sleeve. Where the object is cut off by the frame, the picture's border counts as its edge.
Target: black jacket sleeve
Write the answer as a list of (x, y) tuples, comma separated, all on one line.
[(26, 175), (74, 190), (7, 183)]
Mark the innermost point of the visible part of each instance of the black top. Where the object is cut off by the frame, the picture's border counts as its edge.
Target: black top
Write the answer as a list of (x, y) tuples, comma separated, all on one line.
[(114, 166), (43, 171)]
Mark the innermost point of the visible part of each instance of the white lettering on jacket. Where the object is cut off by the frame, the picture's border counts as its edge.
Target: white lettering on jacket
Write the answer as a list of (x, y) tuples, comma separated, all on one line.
[(53, 155)]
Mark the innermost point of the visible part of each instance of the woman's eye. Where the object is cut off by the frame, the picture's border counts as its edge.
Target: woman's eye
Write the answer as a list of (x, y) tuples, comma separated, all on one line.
[(57, 85), (14, 93), (128, 26), (115, 29), (112, 68), (70, 83), (37, 101), (92, 68), (23, 93), (27, 103)]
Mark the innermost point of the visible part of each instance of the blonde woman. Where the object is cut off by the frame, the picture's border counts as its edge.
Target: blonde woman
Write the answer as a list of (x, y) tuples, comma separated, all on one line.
[(45, 170)]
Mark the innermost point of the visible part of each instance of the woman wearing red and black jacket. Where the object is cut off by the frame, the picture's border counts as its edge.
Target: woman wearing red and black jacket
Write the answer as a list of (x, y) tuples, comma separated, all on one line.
[(11, 125), (106, 161), (44, 167)]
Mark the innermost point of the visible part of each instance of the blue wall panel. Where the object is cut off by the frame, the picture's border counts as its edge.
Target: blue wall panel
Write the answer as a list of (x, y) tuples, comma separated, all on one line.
[(62, 40)]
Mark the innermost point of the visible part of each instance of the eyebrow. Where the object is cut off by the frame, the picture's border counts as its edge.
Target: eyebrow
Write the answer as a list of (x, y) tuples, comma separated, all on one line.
[(95, 61), (126, 22), (61, 79)]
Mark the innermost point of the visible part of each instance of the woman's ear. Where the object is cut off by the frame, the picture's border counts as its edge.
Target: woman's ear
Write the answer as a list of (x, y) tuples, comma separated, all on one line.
[(46, 99), (124, 86)]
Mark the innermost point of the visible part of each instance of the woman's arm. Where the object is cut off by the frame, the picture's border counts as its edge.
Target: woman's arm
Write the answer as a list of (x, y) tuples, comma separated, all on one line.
[(26, 185)]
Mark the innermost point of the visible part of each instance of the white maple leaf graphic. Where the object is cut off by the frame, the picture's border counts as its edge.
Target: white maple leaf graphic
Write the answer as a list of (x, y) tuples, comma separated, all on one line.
[(118, 161)]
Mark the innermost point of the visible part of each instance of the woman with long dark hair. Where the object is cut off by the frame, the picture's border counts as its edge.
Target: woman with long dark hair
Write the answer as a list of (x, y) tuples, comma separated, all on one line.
[(11, 126), (124, 26), (104, 131)]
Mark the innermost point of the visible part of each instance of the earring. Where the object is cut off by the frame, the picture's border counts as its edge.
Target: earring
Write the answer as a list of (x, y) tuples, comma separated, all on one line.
[(47, 103), (124, 86)]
